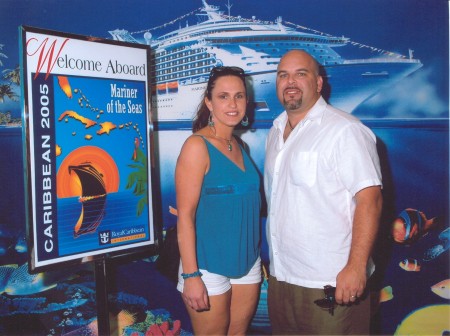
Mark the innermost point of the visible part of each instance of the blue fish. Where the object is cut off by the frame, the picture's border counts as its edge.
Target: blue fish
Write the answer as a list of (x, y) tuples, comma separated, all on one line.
[(437, 250), (21, 244), (23, 283), (5, 274)]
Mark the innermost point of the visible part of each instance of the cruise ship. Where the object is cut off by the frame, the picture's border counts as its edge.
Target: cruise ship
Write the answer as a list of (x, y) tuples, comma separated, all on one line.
[(183, 58)]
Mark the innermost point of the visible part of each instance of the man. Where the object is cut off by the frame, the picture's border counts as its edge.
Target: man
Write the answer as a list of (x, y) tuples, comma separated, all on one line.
[(323, 187)]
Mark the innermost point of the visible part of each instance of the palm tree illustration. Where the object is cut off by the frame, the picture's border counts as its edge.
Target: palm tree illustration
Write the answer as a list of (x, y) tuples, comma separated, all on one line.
[(12, 75), (138, 180), (7, 92)]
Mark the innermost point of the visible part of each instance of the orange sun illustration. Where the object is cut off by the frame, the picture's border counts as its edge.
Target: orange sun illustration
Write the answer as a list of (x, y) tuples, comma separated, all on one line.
[(68, 185)]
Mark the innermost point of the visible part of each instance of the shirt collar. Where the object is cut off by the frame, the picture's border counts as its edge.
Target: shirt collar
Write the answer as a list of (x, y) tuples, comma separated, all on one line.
[(315, 113)]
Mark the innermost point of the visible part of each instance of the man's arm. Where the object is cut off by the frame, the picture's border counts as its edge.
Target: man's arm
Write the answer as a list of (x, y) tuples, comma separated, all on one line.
[(351, 281)]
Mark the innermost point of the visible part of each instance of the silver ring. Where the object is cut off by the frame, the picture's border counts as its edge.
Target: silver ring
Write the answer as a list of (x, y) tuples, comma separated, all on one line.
[(353, 296)]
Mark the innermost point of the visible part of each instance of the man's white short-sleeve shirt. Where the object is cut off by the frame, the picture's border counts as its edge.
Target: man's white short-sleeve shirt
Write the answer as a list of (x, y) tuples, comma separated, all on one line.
[(310, 182)]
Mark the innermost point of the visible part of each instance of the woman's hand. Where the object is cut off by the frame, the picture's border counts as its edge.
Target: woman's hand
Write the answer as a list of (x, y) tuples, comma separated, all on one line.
[(195, 294)]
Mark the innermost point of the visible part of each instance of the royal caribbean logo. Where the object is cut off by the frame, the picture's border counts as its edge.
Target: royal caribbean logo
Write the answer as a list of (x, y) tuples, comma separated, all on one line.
[(104, 237)]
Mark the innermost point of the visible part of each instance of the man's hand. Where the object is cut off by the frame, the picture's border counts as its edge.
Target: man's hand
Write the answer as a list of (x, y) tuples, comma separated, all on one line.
[(350, 284)]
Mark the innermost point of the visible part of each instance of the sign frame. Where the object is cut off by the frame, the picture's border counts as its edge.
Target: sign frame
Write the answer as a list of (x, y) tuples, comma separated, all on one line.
[(88, 144)]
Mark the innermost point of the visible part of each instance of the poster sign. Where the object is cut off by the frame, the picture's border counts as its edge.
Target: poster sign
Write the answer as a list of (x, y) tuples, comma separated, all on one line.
[(86, 126)]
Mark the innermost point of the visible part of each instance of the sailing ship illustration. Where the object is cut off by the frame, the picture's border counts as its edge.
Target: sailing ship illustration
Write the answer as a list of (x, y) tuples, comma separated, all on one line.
[(182, 59), (93, 198)]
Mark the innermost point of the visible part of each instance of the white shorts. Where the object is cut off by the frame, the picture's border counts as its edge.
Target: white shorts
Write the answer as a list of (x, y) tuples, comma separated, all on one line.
[(217, 284)]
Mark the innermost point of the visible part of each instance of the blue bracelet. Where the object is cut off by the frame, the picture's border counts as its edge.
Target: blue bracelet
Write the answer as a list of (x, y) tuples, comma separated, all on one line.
[(191, 275)]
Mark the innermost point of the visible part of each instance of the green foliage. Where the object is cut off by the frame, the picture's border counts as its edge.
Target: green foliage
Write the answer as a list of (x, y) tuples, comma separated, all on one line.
[(138, 180), (5, 118), (6, 91), (150, 320), (12, 75)]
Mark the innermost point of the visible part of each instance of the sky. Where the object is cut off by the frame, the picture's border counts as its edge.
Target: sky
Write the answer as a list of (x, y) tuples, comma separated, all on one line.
[(391, 25)]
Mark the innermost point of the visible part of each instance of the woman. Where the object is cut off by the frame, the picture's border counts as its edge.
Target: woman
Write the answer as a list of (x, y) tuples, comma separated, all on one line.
[(218, 203)]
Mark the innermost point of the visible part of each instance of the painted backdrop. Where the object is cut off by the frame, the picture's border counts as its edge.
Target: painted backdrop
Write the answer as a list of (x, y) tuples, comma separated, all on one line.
[(384, 61)]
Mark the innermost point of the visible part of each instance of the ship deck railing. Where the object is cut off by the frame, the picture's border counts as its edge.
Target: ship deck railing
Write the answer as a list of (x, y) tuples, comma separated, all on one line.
[(381, 60)]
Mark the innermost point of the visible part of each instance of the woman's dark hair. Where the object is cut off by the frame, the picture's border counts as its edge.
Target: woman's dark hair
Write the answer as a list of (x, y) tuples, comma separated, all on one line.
[(202, 115)]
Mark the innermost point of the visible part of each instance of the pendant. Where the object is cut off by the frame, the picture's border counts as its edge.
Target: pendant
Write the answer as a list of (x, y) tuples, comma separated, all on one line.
[(230, 147)]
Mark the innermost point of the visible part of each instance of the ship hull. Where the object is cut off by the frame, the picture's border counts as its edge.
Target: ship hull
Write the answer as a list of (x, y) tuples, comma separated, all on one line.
[(346, 87)]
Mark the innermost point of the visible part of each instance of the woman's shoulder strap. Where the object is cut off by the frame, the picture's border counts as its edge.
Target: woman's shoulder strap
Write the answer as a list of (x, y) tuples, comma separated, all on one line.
[(243, 145)]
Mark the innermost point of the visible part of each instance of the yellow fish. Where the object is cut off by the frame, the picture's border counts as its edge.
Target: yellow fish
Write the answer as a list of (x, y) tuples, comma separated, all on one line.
[(173, 211), (429, 320), (386, 294), (442, 289)]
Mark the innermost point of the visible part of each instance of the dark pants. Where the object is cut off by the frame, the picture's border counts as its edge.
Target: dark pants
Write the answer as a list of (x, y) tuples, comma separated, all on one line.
[(292, 311)]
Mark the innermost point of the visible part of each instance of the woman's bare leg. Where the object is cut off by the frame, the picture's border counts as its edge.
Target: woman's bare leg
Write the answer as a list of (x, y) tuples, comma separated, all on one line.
[(214, 321), (244, 299)]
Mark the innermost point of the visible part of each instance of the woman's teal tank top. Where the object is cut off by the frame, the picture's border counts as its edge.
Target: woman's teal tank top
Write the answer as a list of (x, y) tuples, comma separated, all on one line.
[(227, 219)]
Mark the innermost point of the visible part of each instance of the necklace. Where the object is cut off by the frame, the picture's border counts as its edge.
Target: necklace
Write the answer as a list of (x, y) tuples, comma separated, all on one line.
[(289, 123), (230, 146)]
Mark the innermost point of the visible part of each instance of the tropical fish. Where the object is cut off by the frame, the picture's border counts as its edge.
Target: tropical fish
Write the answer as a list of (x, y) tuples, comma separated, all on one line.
[(428, 320), (442, 289), (410, 265), (173, 211), (386, 294), (21, 244), (63, 82), (5, 274), (437, 250), (445, 235), (410, 225), (21, 282)]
